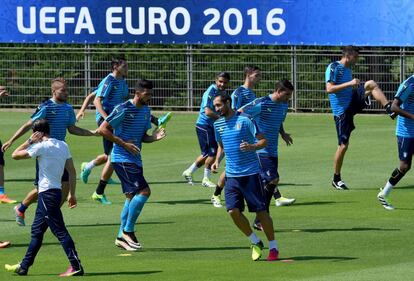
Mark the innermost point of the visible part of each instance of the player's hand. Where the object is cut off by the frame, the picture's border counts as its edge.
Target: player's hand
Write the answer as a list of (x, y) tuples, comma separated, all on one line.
[(3, 92), (355, 82), (245, 146), (36, 137), (80, 116), (287, 138), (95, 132), (6, 146), (215, 167), (131, 148), (72, 202), (159, 134)]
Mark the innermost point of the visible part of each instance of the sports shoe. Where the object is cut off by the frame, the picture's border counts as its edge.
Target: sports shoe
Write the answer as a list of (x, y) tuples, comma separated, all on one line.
[(216, 200), (72, 272), (163, 120), (257, 250), (121, 243), (282, 201), (273, 255), (257, 225), (101, 199), (340, 185), (4, 244), (112, 181), (131, 239), (388, 110), (15, 268), (188, 177), (5, 199), (384, 201), (19, 216), (85, 172), (206, 182)]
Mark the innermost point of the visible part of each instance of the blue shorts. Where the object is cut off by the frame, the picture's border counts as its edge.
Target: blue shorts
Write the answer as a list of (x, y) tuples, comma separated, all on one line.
[(131, 177), (345, 122), (268, 168), (1, 156), (247, 188), (405, 149), (65, 176), (207, 140), (107, 145)]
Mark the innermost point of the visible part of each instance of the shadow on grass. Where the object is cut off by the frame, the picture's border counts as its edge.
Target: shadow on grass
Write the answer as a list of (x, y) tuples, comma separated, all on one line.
[(25, 245), (294, 184), (117, 224), (320, 203), (193, 201), (31, 180), (312, 258), (194, 249), (87, 274), (321, 230), (174, 182)]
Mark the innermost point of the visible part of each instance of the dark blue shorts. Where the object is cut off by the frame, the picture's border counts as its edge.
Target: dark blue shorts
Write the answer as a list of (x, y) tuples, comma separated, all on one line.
[(1, 156), (131, 177), (207, 140), (107, 145), (268, 168), (405, 149), (345, 122), (65, 176), (247, 188)]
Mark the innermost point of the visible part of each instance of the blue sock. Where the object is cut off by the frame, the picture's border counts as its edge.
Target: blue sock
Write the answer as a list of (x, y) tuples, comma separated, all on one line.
[(1, 189), (22, 208), (124, 217), (135, 208)]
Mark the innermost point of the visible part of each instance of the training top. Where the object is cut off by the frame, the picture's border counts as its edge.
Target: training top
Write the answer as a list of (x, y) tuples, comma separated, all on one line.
[(207, 101), (241, 96), (405, 93), (337, 74)]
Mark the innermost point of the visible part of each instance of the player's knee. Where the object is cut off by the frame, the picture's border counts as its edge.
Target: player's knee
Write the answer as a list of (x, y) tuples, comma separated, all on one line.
[(405, 167), (275, 181), (145, 192), (234, 213), (370, 85)]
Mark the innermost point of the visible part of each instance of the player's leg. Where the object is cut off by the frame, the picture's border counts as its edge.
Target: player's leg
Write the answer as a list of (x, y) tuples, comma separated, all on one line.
[(20, 209), (188, 173), (99, 194), (405, 151), (3, 196), (216, 197), (372, 88), (86, 167), (211, 152)]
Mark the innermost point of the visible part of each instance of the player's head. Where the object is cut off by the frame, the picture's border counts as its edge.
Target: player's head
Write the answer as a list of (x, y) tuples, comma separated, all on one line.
[(222, 104), (222, 80), (252, 73), (143, 90), (42, 126), (59, 89), (283, 90), (119, 64), (350, 54)]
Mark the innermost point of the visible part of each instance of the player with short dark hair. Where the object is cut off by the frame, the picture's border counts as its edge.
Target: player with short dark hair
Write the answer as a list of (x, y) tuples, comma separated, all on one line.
[(54, 158), (348, 96), (239, 138), (404, 107), (127, 128), (205, 131)]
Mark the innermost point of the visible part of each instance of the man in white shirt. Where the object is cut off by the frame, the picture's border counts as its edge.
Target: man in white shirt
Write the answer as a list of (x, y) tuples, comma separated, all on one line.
[(53, 157)]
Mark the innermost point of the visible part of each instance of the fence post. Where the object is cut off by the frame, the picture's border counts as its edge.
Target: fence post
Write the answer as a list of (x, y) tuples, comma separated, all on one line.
[(190, 93), (87, 69), (402, 64), (293, 61)]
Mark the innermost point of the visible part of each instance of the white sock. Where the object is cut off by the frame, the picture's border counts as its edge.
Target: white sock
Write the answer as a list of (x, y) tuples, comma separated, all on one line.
[(253, 238), (193, 168), (387, 188), (272, 244), (207, 173), (90, 165)]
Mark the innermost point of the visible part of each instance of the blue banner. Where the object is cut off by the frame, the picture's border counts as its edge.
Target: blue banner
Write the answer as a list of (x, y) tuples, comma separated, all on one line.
[(280, 22)]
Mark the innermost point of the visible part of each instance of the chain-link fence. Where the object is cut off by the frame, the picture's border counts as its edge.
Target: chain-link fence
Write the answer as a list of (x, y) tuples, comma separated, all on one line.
[(182, 73)]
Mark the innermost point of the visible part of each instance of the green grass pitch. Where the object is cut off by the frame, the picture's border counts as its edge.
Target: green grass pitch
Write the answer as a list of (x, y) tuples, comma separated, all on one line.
[(327, 234)]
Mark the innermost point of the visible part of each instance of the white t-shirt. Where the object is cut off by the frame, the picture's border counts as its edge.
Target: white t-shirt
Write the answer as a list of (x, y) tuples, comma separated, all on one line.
[(51, 155)]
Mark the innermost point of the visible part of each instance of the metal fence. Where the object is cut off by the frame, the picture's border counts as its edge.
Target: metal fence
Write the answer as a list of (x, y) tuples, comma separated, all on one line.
[(182, 73)]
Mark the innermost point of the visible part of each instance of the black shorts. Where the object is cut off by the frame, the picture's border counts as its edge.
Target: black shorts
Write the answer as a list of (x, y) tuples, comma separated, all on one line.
[(1, 155), (107, 145)]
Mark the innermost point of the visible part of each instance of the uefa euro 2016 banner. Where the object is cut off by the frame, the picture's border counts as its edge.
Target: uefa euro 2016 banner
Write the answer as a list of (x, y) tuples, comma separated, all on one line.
[(281, 22)]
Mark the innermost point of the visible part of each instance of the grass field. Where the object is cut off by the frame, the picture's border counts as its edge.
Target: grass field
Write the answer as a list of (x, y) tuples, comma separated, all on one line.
[(328, 234)]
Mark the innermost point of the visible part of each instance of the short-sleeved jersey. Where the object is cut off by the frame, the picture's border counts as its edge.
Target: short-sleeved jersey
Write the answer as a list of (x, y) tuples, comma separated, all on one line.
[(112, 92), (337, 74), (231, 133), (405, 93), (60, 116), (130, 124), (207, 101), (241, 96), (51, 155), (269, 116)]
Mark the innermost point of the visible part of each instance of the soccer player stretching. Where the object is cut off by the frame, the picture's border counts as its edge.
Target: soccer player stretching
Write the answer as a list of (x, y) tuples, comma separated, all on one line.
[(53, 157), (348, 96), (402, 105), (127, 128), (237, 136)]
